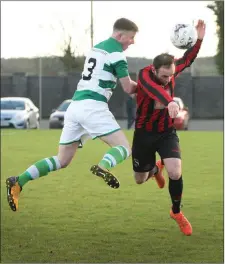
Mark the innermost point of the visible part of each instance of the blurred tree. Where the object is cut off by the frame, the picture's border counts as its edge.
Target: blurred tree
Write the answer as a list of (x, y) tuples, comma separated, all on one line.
[(218, 8), (70, 61)]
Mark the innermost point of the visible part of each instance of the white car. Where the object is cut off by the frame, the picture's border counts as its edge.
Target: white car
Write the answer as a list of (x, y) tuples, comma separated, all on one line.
[(19, 112)]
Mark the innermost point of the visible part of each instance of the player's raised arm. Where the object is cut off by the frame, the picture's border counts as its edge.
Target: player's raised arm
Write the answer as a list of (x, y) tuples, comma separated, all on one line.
[(152, 89), (191, 53)]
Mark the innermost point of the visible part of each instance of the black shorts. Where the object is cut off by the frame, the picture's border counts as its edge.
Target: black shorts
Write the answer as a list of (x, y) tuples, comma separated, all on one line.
[(145, 145)]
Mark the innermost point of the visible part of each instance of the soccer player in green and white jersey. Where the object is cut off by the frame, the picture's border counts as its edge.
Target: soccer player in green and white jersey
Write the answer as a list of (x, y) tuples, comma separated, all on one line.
[(88, 114)]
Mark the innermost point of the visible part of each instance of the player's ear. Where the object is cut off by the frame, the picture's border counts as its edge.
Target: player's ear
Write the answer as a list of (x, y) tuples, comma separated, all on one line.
[(153, 69), (120, 35)]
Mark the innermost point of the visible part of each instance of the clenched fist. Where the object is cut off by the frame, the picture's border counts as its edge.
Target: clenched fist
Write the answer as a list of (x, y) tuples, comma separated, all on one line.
[(173, 109)]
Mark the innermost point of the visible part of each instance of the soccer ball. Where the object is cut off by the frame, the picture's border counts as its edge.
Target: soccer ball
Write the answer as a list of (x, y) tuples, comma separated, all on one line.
[(183, 36)]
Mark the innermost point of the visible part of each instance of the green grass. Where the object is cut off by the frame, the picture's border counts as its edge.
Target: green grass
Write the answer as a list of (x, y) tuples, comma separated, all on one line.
[(72, 216)]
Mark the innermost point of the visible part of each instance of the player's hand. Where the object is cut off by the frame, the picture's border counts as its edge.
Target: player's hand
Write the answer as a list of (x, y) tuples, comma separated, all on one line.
[(200, 27), (173, 109)]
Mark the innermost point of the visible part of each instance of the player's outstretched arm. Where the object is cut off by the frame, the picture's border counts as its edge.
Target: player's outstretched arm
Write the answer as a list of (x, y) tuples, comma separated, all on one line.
[(201, 26), (129, 86), (191, 54)]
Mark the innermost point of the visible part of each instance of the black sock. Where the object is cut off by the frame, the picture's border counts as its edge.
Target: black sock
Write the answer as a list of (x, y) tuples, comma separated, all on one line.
[(175, 190)]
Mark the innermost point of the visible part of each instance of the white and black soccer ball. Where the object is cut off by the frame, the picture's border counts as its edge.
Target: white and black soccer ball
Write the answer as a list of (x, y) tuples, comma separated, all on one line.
[(183, 36)]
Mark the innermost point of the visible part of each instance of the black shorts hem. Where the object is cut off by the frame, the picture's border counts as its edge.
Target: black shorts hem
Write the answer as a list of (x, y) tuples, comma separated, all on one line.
[(173, 156), (142, 170)]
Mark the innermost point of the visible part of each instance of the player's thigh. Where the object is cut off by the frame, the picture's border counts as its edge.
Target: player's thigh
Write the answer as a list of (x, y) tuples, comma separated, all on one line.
[(115, 139), (70, 140), (168, 146), (72, 130), (102, 124), (66, 153), (142, 166), (73, 135), (169, 151), (143, 155), (173, 167)]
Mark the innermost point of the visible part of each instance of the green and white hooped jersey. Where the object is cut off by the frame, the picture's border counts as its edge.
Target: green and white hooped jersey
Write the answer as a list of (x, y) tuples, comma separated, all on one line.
[(103, 65)]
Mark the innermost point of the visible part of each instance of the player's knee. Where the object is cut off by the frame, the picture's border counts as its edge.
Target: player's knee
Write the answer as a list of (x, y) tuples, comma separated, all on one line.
[(139, 179), (173, 167), (174, 174)]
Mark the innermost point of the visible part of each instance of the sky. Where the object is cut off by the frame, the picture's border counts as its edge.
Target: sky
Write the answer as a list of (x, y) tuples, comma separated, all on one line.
[(41, 28)]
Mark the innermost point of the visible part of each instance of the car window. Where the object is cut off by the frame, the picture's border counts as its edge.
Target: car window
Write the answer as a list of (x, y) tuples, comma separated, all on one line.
[(63, 107), (12, 105)]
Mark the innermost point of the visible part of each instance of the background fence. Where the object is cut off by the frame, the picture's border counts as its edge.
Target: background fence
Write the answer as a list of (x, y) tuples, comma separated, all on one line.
[(203, 95)]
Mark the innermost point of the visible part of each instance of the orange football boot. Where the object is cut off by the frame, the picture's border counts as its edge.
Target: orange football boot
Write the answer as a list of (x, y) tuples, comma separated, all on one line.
[(159, 175), (184, 224), (13, 191)]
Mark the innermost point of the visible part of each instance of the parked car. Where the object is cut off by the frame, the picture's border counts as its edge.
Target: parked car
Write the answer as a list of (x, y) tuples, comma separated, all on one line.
[(56, 119), (182, 120), (19, 112)]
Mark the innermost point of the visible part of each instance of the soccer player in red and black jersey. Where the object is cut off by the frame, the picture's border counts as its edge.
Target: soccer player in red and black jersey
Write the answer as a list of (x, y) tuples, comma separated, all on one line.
[(154, 130)]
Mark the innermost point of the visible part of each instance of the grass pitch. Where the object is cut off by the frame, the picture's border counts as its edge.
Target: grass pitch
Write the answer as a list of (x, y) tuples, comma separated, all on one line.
[(72, 216)]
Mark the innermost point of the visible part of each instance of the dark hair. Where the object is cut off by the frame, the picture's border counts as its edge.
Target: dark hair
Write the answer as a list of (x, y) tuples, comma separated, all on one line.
[(163, 60), (125, 24)]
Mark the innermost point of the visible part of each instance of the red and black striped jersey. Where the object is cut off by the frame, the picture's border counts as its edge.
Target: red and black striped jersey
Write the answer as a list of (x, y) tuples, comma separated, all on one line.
[(152, 98)]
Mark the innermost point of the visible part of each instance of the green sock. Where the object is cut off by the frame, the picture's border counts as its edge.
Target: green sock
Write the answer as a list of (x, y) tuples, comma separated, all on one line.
[(39, 169), (114, 156)]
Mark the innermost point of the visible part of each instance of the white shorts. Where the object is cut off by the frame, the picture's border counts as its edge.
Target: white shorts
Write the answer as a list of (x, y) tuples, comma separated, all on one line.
[(87, 119)]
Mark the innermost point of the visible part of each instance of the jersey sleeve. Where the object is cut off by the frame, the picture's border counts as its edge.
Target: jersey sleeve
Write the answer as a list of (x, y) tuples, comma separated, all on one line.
[(152, 89), (188, 58), (119, 63)]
